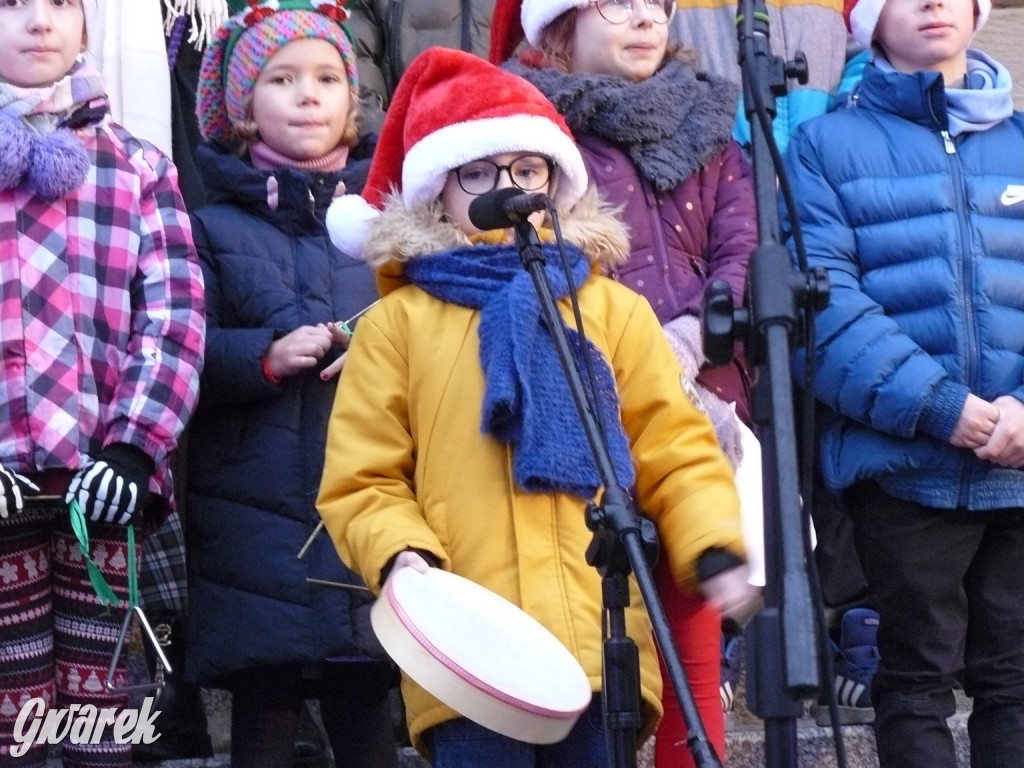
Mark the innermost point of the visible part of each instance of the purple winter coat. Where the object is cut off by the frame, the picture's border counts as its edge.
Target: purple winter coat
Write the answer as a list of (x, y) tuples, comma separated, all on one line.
[(661, 150), (701, 230)]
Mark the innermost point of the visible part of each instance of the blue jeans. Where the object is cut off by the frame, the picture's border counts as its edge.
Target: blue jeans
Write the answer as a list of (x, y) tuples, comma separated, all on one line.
[(461, 743)]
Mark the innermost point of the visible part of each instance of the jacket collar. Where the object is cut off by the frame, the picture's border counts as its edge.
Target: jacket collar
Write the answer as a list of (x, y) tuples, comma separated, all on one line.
[(294, 201), (919, 97), (399, 235)]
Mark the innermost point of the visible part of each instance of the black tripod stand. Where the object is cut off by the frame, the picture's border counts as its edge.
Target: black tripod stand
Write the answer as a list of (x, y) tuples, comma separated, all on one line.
[(782, 649), (622, 542)]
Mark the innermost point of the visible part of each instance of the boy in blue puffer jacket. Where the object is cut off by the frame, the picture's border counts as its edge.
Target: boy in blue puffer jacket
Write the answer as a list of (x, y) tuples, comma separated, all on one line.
[(912, 199)]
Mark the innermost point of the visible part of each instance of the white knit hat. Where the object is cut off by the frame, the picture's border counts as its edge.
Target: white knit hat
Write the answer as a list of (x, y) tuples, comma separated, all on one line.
[(862, 17)]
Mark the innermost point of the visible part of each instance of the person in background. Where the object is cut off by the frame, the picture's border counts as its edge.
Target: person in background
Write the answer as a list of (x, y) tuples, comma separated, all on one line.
[(277, 104), (389, 34), (814, 28), (909, 197), (101, 350), (434, 381), (684, 190)]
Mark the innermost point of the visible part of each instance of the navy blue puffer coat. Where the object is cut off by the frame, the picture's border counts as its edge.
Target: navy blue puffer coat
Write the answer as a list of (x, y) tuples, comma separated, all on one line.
[(922, 236), (256, 450)]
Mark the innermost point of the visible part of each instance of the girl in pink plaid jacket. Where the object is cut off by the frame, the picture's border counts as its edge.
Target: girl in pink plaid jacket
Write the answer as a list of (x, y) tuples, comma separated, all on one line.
[(101, 337)]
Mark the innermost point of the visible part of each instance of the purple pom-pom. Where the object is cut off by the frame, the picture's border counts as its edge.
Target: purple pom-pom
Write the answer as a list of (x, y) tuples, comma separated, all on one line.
[(59, 164), (16, 144)]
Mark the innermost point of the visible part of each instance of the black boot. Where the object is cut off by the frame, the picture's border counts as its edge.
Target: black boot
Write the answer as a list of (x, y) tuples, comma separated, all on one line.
[(182, 719), (310, 748)]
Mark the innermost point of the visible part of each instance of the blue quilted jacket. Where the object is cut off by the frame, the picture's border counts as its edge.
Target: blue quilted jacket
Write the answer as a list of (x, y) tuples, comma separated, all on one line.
[(922, 236), (256, 450)]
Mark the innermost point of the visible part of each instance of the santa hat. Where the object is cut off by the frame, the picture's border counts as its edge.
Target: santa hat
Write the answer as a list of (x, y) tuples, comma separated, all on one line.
[(243, 45), (515, 19), (862, 17), (452, 107)]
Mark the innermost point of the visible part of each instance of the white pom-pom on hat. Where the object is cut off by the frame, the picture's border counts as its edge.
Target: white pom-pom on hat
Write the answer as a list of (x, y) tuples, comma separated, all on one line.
[(348, 220)]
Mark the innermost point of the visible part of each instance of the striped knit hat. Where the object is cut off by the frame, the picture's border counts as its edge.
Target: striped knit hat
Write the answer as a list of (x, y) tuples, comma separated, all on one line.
[(243, 45), (862, 17)]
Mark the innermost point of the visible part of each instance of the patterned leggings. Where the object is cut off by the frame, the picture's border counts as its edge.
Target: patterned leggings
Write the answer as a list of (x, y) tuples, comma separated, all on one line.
[(56, 640)]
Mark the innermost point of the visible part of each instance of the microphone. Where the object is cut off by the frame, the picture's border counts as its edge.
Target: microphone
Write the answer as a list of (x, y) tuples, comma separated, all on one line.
[(503, 208)]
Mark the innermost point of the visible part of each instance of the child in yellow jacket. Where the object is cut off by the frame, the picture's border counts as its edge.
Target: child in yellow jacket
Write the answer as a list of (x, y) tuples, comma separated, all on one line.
[(454, 441)]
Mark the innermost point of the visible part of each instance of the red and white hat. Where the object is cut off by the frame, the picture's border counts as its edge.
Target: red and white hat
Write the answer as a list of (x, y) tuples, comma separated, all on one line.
[(862, 17), (452, 107), (514, 19)]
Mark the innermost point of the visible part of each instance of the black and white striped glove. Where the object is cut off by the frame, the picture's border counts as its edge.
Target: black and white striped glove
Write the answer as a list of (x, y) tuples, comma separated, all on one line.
[(13, 490), (114, 487)]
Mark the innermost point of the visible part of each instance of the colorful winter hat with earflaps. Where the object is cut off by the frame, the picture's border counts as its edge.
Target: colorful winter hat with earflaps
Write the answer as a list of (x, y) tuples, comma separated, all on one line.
[(241, 48)]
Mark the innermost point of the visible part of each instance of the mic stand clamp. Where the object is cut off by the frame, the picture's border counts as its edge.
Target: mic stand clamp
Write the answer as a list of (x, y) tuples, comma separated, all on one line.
[(622, 542)]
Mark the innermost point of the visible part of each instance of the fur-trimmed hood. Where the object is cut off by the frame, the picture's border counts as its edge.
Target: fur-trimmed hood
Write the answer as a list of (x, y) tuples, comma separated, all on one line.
[(400, 234)]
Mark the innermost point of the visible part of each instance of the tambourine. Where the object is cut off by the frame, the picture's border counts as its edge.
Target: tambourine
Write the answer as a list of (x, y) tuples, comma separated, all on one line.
[(480, 654)]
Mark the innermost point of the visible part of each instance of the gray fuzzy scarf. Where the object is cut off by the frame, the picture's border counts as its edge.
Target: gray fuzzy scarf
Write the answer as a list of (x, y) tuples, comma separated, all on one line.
[(670, 125)]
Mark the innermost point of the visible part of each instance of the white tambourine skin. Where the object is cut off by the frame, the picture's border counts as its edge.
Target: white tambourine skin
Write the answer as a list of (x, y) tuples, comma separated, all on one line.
[(481, 655)]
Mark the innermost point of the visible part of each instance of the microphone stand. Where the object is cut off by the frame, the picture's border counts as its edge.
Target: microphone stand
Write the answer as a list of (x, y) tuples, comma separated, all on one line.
[(781, 648), (622, 541)]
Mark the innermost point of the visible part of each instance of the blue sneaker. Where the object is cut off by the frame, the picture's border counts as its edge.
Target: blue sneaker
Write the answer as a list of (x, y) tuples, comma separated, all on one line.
[(732, 660), (855, 659)]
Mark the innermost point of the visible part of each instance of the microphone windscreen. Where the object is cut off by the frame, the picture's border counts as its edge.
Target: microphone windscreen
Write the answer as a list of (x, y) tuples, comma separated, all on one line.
[(488, 210)]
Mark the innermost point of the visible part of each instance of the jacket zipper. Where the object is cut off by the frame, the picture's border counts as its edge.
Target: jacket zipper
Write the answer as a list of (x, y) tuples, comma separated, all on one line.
[(467, 26), (393, 46), (967, 277)]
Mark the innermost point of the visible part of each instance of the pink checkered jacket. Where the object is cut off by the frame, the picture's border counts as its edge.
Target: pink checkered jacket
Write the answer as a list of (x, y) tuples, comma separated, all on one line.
[(101, 313)]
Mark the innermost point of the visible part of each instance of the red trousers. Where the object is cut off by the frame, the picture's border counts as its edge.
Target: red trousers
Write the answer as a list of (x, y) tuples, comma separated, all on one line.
[(697, 633)]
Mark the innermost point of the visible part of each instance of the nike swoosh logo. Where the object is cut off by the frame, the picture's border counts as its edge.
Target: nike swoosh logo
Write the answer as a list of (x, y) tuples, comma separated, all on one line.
[(1012, 198)]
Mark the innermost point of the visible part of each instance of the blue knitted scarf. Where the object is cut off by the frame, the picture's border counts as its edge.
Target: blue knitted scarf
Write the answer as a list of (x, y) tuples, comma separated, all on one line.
[(527, 402)]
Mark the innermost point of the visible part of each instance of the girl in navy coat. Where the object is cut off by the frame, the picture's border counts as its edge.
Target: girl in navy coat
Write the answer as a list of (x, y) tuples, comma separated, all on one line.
[(277, 104)]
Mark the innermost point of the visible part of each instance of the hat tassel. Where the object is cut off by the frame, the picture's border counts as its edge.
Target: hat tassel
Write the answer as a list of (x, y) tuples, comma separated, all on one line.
[(205, 17)]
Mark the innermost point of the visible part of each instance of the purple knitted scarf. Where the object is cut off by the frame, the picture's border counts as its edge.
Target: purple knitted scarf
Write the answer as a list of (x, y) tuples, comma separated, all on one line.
[(38, 146)]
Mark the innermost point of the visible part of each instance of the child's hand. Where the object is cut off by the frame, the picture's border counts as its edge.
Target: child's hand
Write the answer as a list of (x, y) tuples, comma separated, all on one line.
[(1006, 445), (341, 337), (410, 559), (732, 595), (976, 424), (407, 558), (301, 349), (14, 489)]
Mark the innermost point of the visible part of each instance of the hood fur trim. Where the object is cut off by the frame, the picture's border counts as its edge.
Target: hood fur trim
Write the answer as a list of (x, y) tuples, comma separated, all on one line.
[(399, 234)]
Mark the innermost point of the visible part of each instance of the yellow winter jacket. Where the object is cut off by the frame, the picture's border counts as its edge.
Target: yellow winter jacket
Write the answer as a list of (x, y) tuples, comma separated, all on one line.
[(407, 465)]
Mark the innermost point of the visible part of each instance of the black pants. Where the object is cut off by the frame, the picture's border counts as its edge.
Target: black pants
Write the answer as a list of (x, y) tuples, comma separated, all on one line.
[(354, 706), (949, 591)]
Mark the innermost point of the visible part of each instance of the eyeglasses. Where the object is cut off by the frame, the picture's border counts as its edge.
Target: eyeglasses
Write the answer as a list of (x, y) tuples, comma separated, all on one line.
[(528, 173), (620, 11)]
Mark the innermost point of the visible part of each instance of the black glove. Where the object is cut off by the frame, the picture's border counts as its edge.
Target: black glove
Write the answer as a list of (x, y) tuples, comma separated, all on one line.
[(113, 488), (13, 490)]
